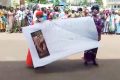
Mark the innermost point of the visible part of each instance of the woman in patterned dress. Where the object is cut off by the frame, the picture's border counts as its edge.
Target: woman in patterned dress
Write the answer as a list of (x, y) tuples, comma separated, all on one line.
[(2, 26), (90, 55)]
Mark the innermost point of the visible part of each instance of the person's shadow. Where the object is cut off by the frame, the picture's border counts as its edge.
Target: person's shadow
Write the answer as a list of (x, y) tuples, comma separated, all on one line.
[(64, 66)]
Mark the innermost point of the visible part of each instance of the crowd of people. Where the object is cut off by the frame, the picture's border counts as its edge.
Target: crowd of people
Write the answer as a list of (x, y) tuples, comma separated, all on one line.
[(11, 20), (106, 21)]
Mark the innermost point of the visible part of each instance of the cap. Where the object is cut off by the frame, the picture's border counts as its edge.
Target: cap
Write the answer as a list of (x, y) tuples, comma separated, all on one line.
[(39, 13)]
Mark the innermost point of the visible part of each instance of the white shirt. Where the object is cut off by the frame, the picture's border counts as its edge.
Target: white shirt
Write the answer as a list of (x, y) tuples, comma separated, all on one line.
[(20, 15)]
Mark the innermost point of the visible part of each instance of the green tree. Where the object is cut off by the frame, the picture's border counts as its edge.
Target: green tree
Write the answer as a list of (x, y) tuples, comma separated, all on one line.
[(42, 1), (85, 2), (56, 2), (99, 2), (37, 1)]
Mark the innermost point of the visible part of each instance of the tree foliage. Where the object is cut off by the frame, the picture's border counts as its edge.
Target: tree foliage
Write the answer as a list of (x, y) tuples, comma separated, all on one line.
[(37, 1), (56, 2), (85, 2), (99, 2)]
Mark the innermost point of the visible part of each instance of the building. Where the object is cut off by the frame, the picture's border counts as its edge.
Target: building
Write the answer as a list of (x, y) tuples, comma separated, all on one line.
[(113, 4), (5, 2), (12, 3)]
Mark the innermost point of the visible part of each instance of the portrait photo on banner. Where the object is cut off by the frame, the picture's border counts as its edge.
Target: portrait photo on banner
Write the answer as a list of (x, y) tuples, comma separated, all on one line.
[(40, 44)]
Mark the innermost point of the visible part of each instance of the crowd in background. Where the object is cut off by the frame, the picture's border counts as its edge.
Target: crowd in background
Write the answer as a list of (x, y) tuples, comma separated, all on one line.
[(11, 20)]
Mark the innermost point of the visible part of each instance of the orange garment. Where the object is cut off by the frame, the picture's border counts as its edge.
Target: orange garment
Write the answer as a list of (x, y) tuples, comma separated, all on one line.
[(2, 26)]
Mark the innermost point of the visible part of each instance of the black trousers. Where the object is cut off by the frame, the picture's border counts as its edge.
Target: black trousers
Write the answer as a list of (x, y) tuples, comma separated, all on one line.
[(90, 55)]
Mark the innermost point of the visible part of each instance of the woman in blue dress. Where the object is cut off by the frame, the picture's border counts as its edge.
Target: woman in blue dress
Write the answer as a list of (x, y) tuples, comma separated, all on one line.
[(118, 24), (112, 23)]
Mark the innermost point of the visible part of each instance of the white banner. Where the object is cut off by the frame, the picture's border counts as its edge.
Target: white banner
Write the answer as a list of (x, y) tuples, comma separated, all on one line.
[(52, 40)]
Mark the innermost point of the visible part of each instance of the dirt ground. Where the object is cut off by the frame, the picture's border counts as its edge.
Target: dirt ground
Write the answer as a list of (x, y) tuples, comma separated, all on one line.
[(13, 49)]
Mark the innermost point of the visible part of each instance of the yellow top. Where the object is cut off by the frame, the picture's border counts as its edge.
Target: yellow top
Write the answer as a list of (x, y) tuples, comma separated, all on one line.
[(1, 13)]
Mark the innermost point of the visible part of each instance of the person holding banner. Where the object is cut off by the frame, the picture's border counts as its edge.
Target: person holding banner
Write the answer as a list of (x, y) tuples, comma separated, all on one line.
[(90, 55)]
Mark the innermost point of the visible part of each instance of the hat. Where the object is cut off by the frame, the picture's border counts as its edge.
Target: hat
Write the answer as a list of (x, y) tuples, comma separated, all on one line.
[(39, 13)]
